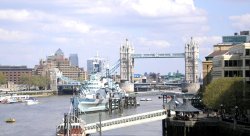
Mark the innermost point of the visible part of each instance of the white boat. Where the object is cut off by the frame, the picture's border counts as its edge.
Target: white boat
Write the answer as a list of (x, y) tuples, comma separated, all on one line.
[(2, 98), (13, 98), (31, 101), (145, 99)]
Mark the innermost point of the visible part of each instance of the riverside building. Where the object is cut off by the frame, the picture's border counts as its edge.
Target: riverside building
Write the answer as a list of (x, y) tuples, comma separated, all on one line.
[(13, 73), (234, 63), (63, 64), (220, 49)]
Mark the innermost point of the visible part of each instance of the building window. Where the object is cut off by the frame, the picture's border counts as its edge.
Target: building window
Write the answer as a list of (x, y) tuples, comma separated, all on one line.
[(247, 51), (235, 73), (226, 74), (247, 73), (247, 61), (226, 63), (233, 63)]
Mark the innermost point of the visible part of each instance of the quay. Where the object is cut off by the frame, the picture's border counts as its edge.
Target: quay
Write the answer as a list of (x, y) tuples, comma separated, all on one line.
[(37, 93), (199, 126), (203, 126)]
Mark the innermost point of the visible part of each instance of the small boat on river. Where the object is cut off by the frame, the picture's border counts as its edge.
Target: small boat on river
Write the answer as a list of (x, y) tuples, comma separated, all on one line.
[(31, 101), (13, 98), (10, 120), (145, 99)]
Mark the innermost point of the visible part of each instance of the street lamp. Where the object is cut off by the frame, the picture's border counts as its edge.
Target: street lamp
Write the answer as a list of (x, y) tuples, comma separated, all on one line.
[(236, 112), (221, 110)]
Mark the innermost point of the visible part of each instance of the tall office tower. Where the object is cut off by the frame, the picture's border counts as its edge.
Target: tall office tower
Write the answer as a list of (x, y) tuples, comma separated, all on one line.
[(73, 59), (96, 65), (127, 62), (191, 62)]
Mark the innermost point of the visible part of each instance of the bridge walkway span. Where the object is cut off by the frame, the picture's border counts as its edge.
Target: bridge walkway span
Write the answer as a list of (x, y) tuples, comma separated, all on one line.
[(125, 121)]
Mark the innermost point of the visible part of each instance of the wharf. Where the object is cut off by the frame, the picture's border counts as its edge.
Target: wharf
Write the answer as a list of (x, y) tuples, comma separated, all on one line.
[(39, 93), (205, 126)]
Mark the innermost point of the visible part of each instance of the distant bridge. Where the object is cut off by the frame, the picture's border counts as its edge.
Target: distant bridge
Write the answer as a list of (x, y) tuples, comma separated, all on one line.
[(125, 121)]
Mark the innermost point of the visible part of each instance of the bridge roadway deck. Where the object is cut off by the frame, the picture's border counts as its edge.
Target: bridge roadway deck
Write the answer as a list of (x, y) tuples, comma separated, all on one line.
[(159, 55), (125, 121)]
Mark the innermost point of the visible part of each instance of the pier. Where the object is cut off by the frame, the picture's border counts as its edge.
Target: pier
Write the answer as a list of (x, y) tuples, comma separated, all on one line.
[(125, 121)]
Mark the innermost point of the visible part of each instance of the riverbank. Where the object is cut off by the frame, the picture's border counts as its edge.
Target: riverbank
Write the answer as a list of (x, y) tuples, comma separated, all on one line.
[(37, 93)]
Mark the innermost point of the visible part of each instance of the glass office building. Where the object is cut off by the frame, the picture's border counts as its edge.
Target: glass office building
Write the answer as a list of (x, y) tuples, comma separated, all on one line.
[(244, 37), (73, 58)]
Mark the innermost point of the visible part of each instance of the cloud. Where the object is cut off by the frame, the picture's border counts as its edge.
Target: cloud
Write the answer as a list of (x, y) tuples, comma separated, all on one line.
[(153, 43), (14, 36), (161, 8), (14, 15), (62, 40), (49, 22), (208, 40), (95, 10), (76, 26), (241, 21), (21, 15)]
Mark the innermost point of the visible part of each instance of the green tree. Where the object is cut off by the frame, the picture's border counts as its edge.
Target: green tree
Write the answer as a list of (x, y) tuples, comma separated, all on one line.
[(44, 82), (26, 80), (226, 91), (2, 79)]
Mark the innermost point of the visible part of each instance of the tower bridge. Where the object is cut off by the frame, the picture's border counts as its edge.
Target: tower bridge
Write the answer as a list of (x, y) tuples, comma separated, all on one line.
[(191, 56), (128, 56)]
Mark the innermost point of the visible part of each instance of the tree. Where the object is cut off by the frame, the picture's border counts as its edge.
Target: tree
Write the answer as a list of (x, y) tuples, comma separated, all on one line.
[(2, 79), (44, 82), (226, 90), (26, 80), (39, 81)]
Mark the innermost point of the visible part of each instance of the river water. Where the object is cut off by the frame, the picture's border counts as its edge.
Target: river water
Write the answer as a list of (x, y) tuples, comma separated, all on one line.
[(42, 119)]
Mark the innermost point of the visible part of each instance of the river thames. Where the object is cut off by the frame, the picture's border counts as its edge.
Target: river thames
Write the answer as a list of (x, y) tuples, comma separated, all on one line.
[(42, 119)]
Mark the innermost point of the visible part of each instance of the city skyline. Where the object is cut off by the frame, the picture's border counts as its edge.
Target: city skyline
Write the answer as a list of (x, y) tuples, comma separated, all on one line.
[(32, 30)]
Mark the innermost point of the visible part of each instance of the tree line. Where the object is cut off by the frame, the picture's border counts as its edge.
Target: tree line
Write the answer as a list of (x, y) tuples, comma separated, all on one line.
[(227, 92)]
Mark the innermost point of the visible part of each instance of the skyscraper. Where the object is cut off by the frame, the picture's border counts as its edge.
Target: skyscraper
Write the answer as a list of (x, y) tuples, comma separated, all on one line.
[(73, 59)]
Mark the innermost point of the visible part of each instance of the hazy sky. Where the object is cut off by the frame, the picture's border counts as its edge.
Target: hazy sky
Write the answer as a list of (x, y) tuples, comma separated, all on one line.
[(30, 30)]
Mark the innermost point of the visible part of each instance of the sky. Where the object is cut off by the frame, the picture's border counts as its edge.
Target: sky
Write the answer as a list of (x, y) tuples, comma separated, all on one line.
[(30, 30)]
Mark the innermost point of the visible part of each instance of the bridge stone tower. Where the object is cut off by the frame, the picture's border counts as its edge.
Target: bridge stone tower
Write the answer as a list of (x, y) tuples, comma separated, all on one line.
[(127, 66), (191, 61), (191, 66)]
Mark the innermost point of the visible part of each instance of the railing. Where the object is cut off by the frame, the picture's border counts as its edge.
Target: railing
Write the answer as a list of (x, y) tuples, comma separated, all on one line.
[(125, 121), (159, 55)]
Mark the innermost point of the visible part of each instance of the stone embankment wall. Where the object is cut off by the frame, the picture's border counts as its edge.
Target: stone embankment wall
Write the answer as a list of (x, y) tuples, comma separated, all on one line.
[(205, 127)]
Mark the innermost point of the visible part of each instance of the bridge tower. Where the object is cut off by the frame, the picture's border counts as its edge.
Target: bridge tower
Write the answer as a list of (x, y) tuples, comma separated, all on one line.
[(191, 62), (127, 62), (192, 84), (127, 66)]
